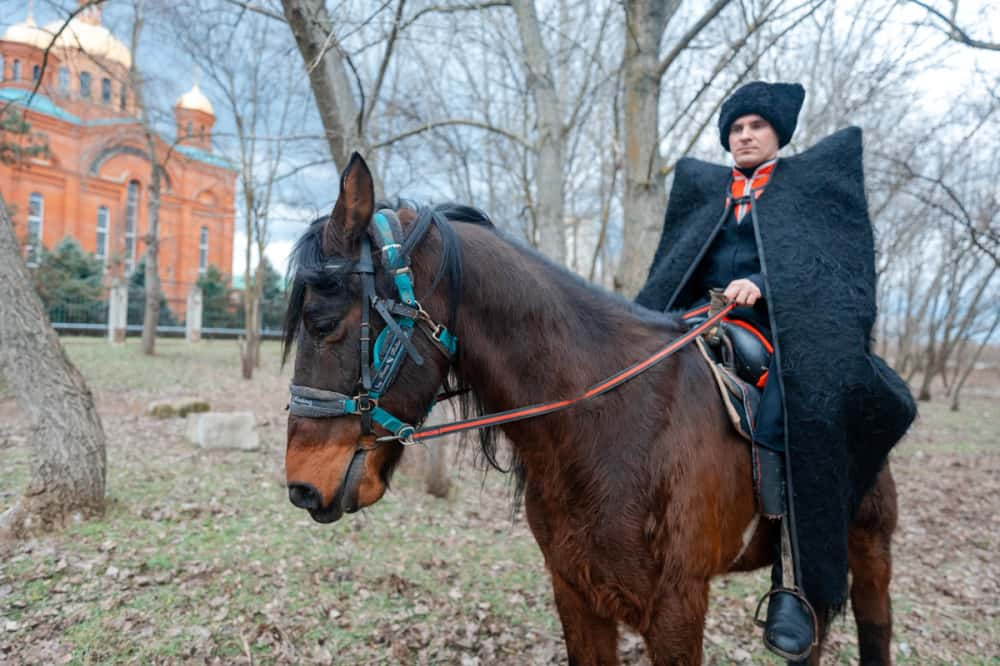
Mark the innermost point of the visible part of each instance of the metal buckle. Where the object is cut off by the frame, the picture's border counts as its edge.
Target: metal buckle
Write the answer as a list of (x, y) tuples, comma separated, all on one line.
[(365, 403), (422, 314)]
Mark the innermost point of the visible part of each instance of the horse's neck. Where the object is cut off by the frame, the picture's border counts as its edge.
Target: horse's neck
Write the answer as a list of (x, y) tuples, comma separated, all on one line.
[(530, 334)]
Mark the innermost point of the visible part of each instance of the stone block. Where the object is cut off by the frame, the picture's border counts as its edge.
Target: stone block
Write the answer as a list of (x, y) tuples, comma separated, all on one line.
[(223, 430)]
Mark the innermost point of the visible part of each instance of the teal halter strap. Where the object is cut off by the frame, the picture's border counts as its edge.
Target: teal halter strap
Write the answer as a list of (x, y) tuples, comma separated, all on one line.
[(391, 347)]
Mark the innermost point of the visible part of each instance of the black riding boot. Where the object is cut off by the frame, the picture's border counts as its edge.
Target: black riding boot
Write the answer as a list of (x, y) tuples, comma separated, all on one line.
[(790, 628)]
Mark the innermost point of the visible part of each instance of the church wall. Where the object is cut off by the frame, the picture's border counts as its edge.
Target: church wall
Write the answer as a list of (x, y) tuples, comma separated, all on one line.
[(197, 194)]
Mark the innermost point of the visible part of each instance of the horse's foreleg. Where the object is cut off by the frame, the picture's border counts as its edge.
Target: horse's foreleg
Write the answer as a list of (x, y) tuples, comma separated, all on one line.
[(590, 639), (870, 559), (675, 634)]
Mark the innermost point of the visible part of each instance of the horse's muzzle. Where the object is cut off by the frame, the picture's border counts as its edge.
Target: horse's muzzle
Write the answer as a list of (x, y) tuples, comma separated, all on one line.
[(307, 496)]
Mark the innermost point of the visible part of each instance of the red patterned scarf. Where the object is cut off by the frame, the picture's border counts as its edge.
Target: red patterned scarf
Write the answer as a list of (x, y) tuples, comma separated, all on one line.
[(742, 187)]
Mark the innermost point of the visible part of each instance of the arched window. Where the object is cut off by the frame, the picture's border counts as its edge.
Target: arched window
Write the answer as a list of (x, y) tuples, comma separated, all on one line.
[(131, 213), (203, 251), (15, 73), (63, 80), (103, 223), (36, 72), (36, 216), (85, 84), (187, 129), (122, 98), (105, 91)]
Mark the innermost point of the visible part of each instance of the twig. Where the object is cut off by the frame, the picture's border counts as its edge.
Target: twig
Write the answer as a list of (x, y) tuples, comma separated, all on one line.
[(956, 33), (454, 121), (246, 648)]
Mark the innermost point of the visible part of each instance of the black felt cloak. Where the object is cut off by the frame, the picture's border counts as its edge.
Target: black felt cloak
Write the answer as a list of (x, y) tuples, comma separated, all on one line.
[(844, 407)]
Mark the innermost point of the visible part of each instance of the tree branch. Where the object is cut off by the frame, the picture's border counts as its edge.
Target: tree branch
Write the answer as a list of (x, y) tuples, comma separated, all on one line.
[(689, 36), (45, 54), (390, 44), (258, 9), (955, 32), (454, 121), (438, 9)]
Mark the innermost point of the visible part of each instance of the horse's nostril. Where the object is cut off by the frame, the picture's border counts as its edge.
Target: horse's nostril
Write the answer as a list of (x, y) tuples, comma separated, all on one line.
[(304, 496)]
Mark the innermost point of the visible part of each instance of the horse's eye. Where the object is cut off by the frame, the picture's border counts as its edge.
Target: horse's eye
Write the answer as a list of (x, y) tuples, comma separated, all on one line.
[(317, 321)]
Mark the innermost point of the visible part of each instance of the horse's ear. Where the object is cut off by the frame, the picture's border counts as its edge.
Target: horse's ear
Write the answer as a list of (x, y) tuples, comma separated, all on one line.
[(353, 210)]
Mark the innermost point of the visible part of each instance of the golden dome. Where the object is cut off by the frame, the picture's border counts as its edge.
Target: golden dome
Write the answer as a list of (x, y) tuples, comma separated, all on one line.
[(28, 33), (92, 38), (195, 100)]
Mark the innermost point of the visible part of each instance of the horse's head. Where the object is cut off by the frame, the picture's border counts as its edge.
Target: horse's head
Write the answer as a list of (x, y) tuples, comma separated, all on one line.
[(369, 358)]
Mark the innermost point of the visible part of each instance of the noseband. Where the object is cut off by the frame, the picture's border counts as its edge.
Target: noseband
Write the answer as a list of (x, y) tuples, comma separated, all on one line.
[(381, 362)]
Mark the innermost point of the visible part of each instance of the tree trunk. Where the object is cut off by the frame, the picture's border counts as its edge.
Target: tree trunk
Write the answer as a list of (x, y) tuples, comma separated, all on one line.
[(924, 395), (436, 481), (67, 440), (550, 147), (972, 364), (644, 201), (151, 316), (250, 351), (332, 87), (258, 311), (251, 302)]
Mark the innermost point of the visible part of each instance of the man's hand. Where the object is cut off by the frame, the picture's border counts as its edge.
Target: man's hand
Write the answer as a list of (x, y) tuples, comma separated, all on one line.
[(742, 292)]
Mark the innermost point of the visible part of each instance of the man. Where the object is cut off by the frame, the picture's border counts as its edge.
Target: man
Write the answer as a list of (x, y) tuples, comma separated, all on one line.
[(789, 241)]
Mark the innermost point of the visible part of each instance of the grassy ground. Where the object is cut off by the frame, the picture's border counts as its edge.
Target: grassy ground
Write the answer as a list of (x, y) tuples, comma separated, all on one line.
[(200, 557)]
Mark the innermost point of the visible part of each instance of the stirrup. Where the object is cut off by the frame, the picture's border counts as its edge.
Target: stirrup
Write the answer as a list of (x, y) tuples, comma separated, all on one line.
[(763, 623)]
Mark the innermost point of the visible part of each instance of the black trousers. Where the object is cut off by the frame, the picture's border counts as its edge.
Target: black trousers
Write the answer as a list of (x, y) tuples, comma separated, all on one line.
[(770, 426)]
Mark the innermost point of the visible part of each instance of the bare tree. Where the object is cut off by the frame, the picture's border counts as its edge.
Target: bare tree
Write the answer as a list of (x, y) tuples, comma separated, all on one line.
[(550, 145), (960, 302), (643, 69), (248, 65), (156, 152), (964, 373), (157, 163), (334, 80), (67, 440)]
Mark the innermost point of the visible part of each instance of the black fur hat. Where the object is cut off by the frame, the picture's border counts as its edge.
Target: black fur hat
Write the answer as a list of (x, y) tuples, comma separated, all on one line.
[(778, 103)]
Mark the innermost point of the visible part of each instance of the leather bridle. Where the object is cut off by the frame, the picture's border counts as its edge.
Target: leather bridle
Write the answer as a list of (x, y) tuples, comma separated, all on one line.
[(381, 362)]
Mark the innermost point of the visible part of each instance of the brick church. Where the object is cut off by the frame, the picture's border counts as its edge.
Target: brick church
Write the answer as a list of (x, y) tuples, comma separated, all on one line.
[(93, 183)]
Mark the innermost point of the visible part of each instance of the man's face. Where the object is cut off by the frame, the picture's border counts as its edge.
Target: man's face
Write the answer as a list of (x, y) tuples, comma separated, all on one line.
[(752, 141)]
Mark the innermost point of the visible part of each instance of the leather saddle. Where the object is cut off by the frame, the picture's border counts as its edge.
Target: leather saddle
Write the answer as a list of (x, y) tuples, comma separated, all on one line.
[(739, 357)]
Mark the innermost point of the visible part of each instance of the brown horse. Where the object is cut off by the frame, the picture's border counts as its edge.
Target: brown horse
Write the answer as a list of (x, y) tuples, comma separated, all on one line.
[(636, 499)]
